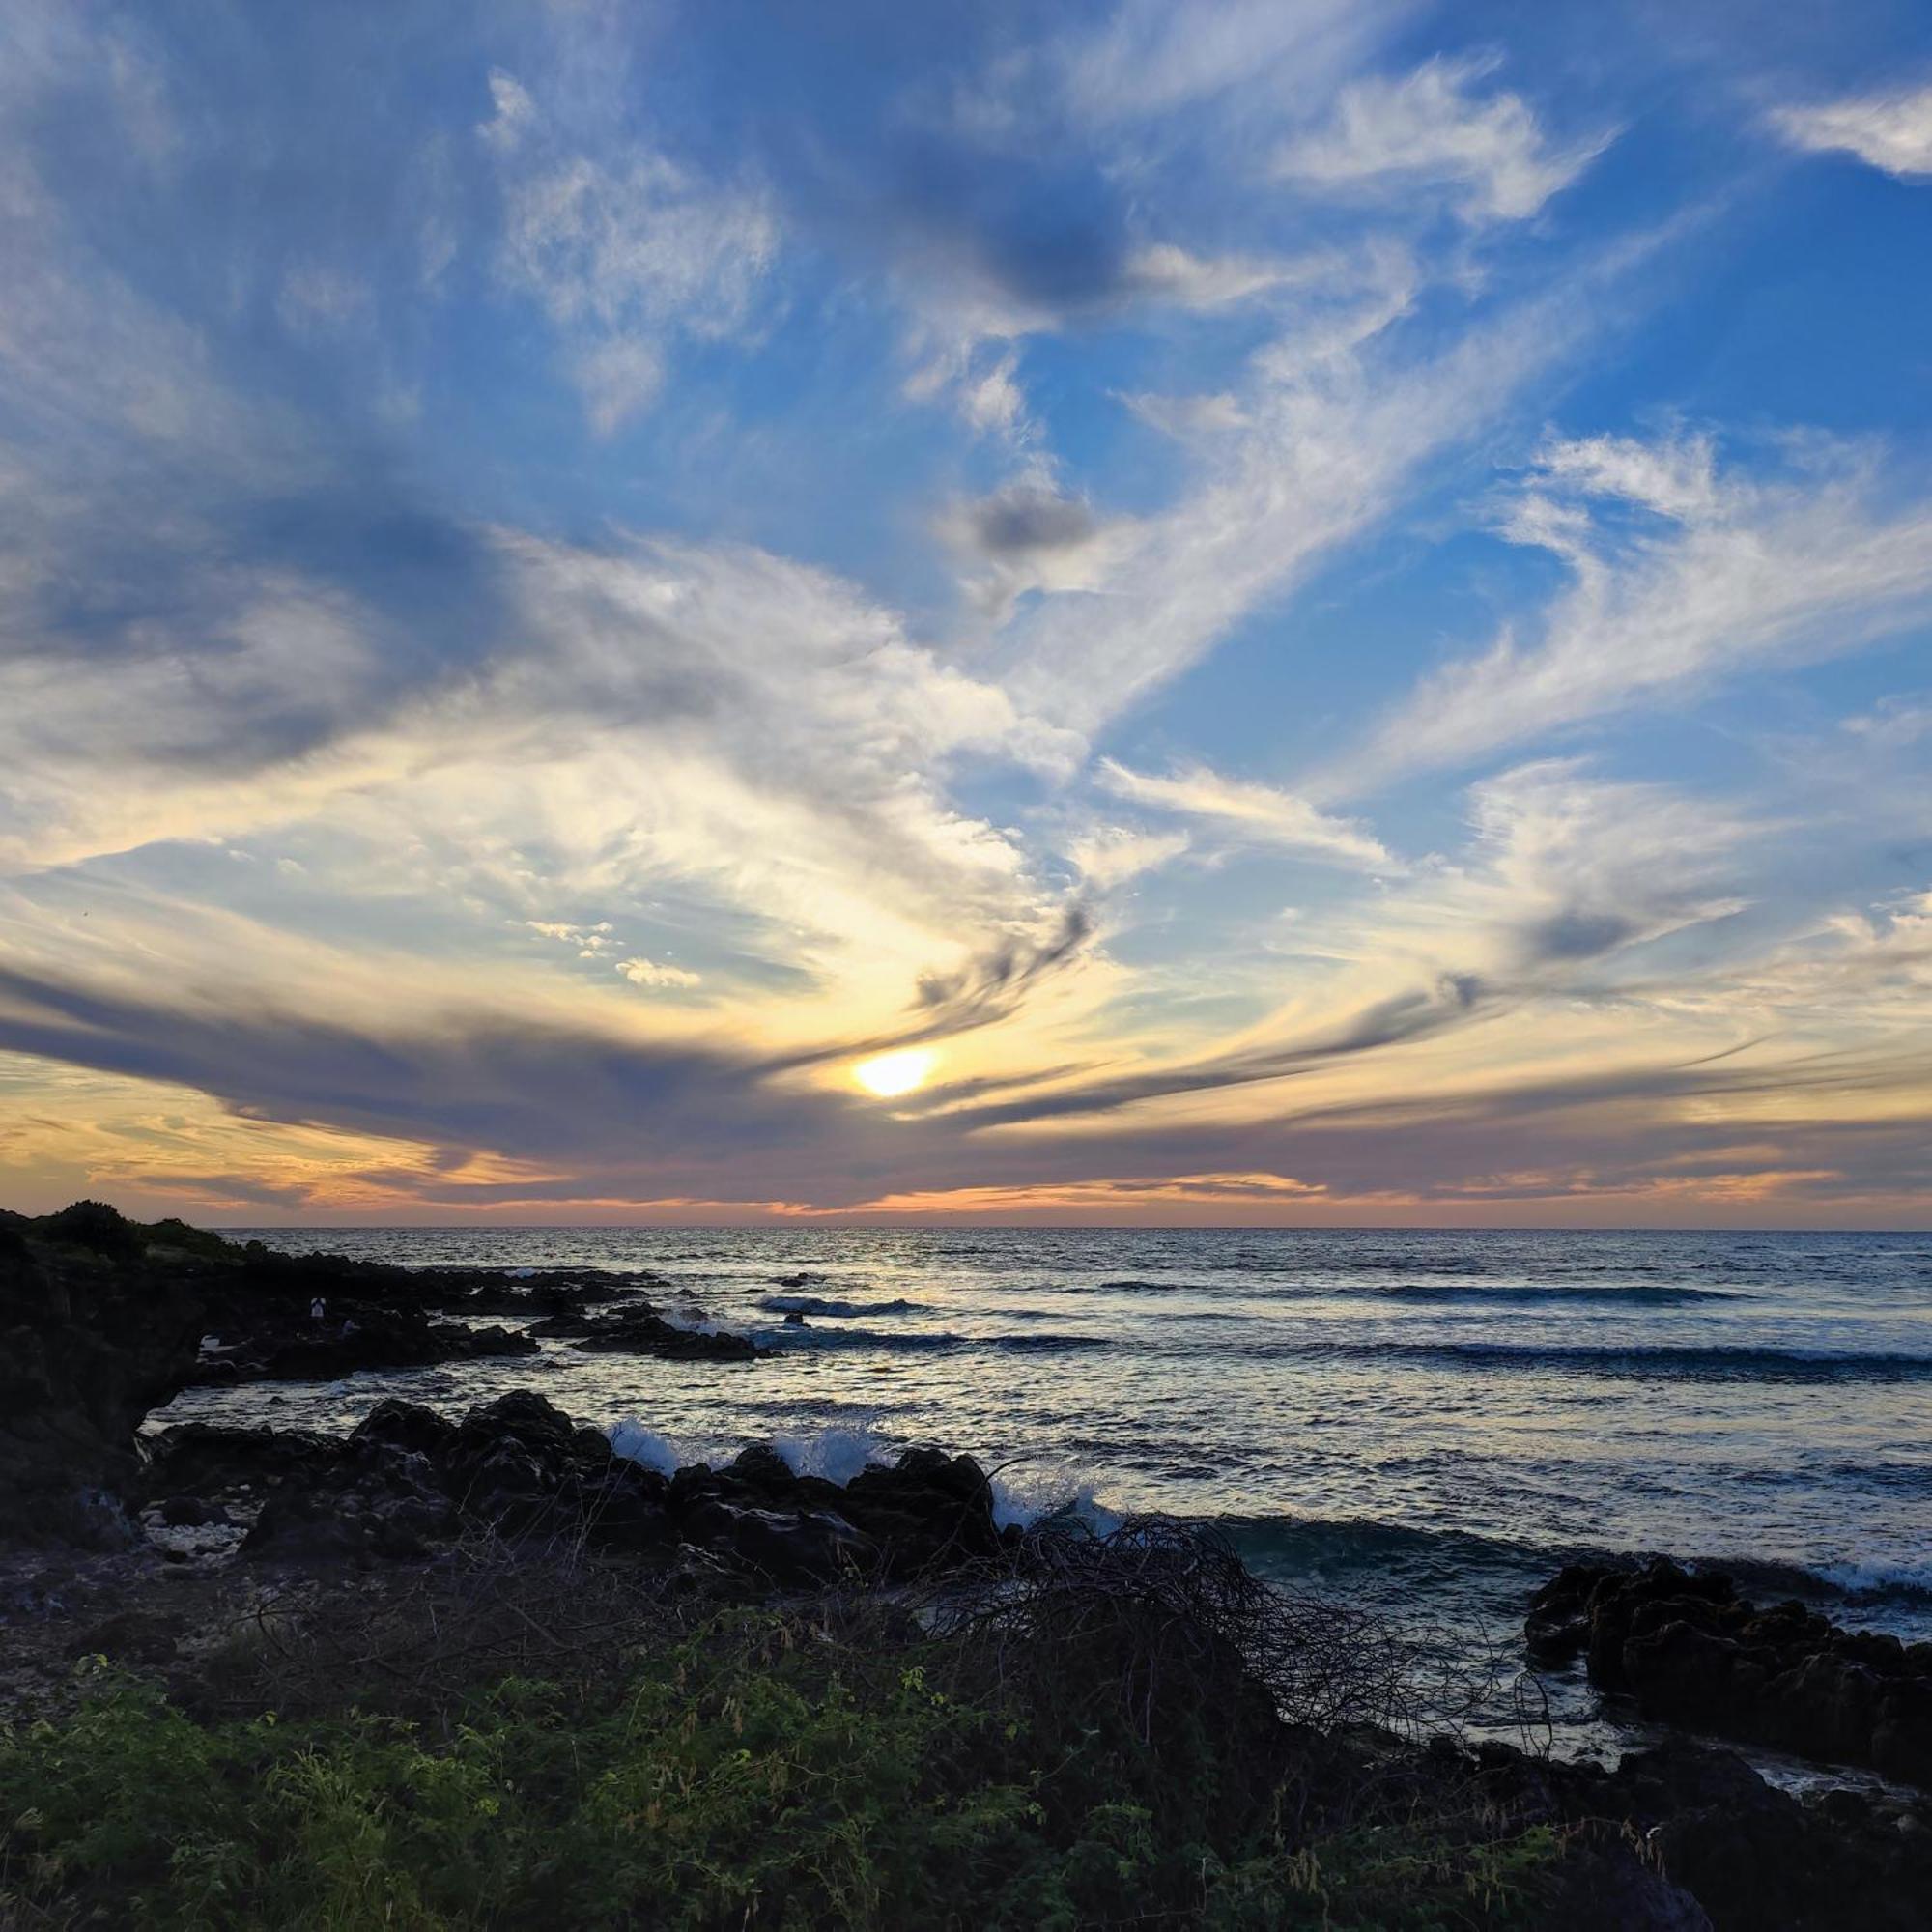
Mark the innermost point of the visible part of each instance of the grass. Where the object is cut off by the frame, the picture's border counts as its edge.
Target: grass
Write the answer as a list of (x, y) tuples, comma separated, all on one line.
[(759, 1769)]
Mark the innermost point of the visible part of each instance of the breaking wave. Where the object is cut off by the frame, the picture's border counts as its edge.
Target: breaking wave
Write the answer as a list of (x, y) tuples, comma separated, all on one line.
[(819, 1304)]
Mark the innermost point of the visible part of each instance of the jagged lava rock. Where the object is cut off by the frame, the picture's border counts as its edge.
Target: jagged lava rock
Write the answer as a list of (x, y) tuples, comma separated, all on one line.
[(644, 1332), (1690, 1651), (92, 1336), (1755, 1858)]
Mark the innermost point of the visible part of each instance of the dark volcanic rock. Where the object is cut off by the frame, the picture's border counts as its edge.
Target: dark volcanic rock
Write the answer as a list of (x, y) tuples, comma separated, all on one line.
[(208, 1458), (101, 1322), (379, 1502), (406, 1425), (928, 1511), (91, 1337), (570, 1321), (1754, 1859), (1690, 1651), (1605, 1883), (644, 1332), (407, 1480), (547, 1292), (367, 1337), (191, 1513), (794, 1548), (928, 1514)]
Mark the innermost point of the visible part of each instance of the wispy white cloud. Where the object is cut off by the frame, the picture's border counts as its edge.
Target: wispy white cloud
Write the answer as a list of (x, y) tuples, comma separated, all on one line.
[(1565, 883), (1331, 425), (1680, 574), (657, 976), (1108, 856), (1152, 58), (1243, 810), (1190, 419), (592, 941), (627, 252), (316, 300), (482, 853), (1891, 130), (1567, 871), (1141, 66), (1893, 722), (753, 732), (968, 327), (1487, 153), (1165, 272)]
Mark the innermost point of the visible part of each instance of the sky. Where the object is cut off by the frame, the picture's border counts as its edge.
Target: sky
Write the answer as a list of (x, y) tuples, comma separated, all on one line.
[(1187, 611)]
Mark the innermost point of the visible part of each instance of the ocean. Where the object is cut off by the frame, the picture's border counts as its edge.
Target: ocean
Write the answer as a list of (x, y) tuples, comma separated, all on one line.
[(1427, 1422)]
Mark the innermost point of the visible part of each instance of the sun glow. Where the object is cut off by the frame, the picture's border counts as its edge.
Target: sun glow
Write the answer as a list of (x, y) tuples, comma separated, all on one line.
[(893, 1073)]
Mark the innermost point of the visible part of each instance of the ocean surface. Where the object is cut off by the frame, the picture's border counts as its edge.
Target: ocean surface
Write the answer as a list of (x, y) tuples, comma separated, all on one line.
[(1428, 1422)]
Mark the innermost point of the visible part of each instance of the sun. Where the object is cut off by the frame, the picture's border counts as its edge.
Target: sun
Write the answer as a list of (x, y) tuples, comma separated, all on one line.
[(893, 1073)]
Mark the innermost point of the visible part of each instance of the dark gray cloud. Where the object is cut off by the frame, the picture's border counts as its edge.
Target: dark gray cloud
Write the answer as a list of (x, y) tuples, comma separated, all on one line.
[(1453, 999), (991, 983), (1025, 517), (1578, 932), (478, 1082), (989, 988), (617, 1120)]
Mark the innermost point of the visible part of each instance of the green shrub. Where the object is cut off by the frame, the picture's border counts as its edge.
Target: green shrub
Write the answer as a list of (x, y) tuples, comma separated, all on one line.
[(761, 1772)]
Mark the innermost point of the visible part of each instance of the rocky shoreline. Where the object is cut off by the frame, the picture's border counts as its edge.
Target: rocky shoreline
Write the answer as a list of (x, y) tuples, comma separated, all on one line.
[(126, 1546), (1685, 1649)]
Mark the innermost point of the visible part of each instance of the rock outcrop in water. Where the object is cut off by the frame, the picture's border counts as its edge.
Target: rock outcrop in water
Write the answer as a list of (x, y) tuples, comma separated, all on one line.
[(1690, 1651), (364, 1336), (642, 1331)]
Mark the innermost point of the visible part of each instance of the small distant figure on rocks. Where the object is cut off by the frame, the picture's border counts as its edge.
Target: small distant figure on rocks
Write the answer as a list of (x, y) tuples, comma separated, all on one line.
[(317, 1311)]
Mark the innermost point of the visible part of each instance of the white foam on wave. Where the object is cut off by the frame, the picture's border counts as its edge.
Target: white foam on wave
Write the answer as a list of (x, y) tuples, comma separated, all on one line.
[(1857, 1579), (636, 1443), (836, 1454), (819, 1304), (689, 1315), (1023, 1493)]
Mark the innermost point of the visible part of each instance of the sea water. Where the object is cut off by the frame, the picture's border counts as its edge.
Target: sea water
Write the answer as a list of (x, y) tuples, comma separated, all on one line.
[(1429, 1422)]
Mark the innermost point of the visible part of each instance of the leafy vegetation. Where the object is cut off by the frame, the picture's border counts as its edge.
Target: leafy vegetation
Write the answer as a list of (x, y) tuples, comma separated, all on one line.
[(764, 1770), (105, 1231)]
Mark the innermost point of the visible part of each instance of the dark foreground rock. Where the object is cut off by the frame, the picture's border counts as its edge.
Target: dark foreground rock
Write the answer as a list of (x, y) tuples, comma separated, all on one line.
[(408, 1483), (364, 1337), (104, 1320), (927, 1513), (1690, 1651), (1753, 1859), (92, 1336)]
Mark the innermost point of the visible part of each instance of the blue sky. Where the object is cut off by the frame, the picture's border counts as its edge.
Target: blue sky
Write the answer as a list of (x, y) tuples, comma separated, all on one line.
[(1295, 610)]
